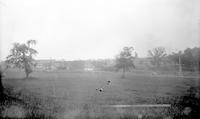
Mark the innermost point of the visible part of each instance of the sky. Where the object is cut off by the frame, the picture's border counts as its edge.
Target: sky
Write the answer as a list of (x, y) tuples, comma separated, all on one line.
[(98, 29)]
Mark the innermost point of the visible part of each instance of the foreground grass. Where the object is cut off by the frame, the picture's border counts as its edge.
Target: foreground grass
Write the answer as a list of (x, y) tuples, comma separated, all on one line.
[(71, 95)]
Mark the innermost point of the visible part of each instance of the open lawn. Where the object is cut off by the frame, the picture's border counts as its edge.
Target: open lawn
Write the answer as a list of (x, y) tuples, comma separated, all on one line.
[(74, 94)]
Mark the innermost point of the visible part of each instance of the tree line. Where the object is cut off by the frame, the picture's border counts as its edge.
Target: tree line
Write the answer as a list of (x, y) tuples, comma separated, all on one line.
[(22, 56)]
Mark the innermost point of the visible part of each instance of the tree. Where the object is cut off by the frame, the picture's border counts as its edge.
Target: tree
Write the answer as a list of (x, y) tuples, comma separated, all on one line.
[(124, 61), (22, 56), (196, 54), (157, 55), (190, 59)]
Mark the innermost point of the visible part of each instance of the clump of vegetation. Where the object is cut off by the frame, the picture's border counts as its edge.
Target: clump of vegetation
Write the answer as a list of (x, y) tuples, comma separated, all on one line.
[(186, 106), (34, 105)]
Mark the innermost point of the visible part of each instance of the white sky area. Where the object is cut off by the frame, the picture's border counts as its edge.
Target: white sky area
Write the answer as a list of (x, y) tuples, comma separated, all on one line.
[(93, 29)]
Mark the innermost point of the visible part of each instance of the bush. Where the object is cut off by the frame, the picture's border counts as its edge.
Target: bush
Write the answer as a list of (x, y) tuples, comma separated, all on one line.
[(188, 105)]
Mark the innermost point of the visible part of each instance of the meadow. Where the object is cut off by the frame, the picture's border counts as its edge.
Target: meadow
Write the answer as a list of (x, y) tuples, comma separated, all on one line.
[(68, 95)]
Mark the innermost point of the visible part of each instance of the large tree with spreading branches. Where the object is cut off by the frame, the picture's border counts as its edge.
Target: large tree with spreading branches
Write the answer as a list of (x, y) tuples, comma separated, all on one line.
[(22, 56)]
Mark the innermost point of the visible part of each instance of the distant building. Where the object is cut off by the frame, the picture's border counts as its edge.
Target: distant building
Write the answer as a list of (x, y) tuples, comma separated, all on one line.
[(50, 65), (88, 66), (44, 65)]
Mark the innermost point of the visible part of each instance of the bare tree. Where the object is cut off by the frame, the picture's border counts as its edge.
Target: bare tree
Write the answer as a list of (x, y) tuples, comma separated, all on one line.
[(157, 55)]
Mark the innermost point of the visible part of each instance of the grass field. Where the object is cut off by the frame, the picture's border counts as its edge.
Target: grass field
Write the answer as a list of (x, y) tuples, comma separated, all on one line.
[(74, 94)]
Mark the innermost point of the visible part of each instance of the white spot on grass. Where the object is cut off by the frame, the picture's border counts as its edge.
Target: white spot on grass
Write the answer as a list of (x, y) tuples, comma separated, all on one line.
[(72, 114), (154, 73), (140, 116)]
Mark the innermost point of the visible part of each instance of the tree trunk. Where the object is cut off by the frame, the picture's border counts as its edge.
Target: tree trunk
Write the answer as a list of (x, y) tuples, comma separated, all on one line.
[(25, 65), (1, 86), (27, 73), (123, 73), (27, 68), (157, 64)]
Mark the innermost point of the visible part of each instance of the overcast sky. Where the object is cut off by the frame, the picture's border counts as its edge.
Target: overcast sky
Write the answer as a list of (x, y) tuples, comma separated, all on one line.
[(92, 29)]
